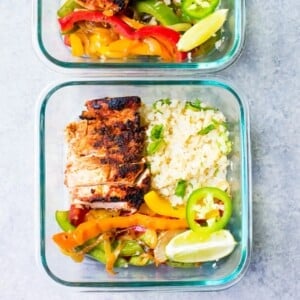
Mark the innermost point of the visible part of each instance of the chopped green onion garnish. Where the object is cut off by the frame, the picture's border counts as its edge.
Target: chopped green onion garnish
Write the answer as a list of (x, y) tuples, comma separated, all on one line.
[(154, 146), (166, 101), (207, 129), (196, 105), (193, 105), (180, 188), (156, 132)]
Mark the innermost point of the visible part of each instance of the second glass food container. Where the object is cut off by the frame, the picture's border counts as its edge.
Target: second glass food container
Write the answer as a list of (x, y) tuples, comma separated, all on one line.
[(61, 104)]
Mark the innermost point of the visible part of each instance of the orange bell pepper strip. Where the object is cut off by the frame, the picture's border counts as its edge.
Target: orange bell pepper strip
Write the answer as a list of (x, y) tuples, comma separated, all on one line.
[(131, 22), (67, 241), (148, 46), (163, 207), (164, 35), (121, 45)]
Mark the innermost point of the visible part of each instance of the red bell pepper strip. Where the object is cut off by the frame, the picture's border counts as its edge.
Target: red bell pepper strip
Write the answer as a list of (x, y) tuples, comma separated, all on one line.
[(165, 35), (67, 23), (77, 215)]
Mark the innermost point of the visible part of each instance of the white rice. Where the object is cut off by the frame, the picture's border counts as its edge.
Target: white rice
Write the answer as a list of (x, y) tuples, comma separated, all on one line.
[(199, 159)]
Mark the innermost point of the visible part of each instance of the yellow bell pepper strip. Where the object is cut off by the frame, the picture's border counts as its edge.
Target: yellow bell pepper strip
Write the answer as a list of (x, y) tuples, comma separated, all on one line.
[(145, 210), (76, 44), (67, 241), (163, 207), (196, 199)]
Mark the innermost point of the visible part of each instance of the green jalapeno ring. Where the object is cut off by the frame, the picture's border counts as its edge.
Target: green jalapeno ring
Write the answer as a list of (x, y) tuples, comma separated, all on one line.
[(195, 10), (200, 194)]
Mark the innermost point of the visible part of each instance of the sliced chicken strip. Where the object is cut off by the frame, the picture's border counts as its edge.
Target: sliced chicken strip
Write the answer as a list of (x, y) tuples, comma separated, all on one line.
[(105, 164), (89, 170)]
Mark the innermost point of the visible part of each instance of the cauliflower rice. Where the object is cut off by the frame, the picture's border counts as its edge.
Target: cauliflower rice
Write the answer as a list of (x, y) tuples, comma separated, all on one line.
[(194, 148)]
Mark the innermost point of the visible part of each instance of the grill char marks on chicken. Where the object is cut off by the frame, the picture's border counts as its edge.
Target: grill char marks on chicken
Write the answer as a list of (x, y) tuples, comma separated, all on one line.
[(105, 163), (125, 197)]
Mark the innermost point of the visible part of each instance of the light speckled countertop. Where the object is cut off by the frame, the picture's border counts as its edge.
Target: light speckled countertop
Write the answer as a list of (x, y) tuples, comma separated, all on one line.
[(267, 73)]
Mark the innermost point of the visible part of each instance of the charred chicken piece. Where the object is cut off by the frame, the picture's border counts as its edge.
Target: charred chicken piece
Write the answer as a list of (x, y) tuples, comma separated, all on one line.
[(110, 129), (105, 163), (108, 7)]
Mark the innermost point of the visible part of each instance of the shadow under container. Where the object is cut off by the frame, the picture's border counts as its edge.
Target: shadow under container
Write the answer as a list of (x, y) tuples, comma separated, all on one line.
[(61, 104)]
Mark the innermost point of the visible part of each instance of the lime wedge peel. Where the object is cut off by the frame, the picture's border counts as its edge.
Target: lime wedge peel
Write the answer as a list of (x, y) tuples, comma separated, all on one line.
[(190, 247), (202, 31)]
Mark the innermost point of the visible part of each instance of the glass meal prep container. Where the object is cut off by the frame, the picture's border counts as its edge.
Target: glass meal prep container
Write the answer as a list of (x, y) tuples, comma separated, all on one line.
[(50, 46), (61, 104)]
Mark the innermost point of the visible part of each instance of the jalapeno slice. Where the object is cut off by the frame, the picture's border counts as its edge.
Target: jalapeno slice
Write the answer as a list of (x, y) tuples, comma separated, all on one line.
[(199, 9), (196, 199)]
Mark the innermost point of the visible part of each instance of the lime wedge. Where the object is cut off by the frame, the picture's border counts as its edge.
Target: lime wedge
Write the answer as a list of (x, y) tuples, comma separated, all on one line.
[(190, 247), (202, 31)]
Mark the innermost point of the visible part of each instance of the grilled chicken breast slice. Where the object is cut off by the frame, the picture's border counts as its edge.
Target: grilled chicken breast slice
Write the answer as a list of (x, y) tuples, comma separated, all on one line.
[(105, 163), (118, 140), (103, 195), (89, 170)]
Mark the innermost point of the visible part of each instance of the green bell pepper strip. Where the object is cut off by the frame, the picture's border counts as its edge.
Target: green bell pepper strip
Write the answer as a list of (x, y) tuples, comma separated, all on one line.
[(67, 8), (198, 195), (98, 254), (195, 9), (62, 219), (159, 10), (140, 260)]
